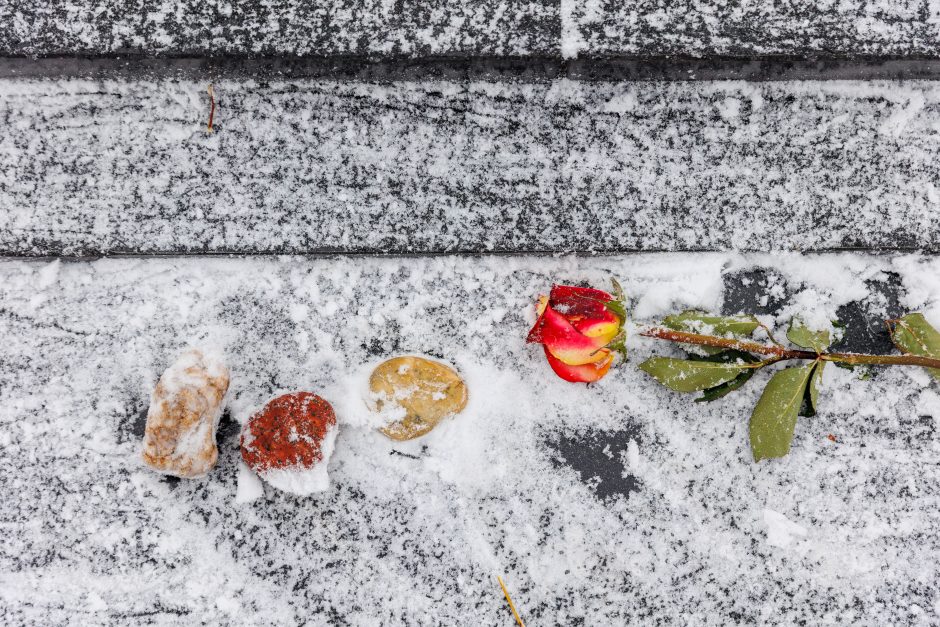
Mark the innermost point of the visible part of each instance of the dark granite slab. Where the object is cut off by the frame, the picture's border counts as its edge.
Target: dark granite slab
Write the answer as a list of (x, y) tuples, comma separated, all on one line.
[(744, 28), (280, 27), (361, 166), (638, 28)]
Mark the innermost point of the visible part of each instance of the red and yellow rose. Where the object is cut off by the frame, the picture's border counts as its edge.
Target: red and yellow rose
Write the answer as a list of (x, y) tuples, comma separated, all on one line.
[(580, 329)]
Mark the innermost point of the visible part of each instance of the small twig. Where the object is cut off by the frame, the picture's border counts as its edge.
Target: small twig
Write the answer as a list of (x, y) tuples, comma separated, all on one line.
[(509, 601), (212, 109)]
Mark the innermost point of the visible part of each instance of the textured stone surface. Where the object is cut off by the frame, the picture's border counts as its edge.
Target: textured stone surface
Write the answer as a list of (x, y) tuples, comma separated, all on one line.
[(278, 27), (289, 442), (476, 27), (743, 27), (351, 166), (415, 394), (184, 414), (613, 504)]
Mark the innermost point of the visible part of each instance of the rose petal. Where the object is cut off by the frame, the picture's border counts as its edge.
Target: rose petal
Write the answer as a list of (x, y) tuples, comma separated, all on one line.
[(566, 343), (541, 305), (567, 291), (535, 333), (579, 302), (586, 373), (601, 331)]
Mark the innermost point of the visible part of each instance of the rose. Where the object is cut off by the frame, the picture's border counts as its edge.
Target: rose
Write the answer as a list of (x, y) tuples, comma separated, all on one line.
[(580, 329)]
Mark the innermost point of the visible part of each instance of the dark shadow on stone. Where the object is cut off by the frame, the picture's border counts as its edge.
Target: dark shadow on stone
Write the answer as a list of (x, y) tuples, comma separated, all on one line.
[(749, 292), (598, 457), (865, 331), (229, 430), (475, 66), (139, 425)]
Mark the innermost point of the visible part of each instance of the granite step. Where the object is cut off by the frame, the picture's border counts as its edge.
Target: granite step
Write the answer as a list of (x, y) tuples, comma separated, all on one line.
[(319, 166), (639, 28)]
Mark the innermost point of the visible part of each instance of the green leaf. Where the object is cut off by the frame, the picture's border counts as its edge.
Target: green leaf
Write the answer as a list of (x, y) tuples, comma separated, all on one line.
[(684, 375), (694, 351), (914, 335), (618, 309), (619, 344), (774, 417), (726, 388), (618, 290), (811, 397), (802, 336), (700, 322), (726, 356)]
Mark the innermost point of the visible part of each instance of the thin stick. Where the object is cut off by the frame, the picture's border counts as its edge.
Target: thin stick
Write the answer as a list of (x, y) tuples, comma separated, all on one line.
[(509, 601), (212, 109), (785, 353)]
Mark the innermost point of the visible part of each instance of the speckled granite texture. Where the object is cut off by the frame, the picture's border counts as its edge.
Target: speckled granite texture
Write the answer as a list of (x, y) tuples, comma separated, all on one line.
[(613, 504), (279, 27), (475, 27), (743, 27), (437, 166)]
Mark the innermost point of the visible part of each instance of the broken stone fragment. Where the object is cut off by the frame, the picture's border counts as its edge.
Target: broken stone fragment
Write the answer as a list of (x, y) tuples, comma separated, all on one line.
[(184, 414), (415, 394)]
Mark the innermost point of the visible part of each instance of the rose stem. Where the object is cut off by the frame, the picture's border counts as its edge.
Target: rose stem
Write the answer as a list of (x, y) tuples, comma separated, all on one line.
[(785, 353)]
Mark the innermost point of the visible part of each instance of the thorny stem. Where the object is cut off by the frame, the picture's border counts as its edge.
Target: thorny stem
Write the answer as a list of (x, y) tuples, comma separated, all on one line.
[(780, 353)]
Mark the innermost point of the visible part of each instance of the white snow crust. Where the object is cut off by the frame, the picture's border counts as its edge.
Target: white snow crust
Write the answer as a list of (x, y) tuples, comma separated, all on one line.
[(305, 481)]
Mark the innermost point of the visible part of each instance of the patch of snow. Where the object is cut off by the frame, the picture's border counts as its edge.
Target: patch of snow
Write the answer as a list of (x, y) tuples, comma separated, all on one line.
[(304, 481), (781, 531), (249, 487)]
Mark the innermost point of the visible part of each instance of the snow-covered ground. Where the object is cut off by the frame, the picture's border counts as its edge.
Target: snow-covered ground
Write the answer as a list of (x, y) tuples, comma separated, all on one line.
[(677, 526), (302, 166)]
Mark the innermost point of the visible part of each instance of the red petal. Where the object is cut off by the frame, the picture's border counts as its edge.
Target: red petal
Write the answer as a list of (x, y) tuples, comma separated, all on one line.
[(587, 373), (566, 343), (566, 291), (601, 330), (535, 333), (580, 301)]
